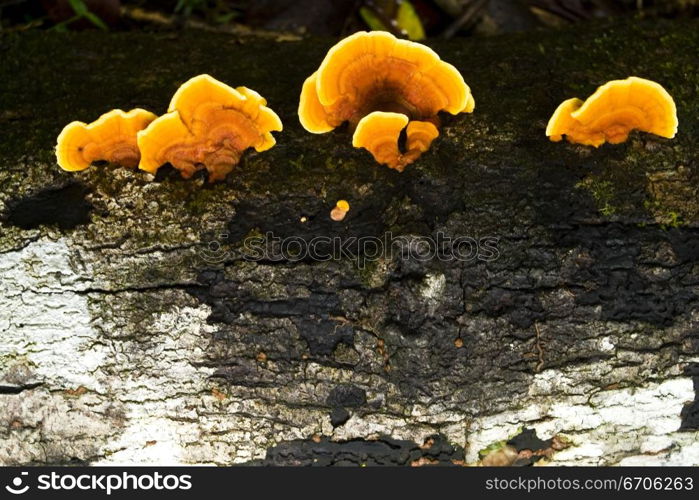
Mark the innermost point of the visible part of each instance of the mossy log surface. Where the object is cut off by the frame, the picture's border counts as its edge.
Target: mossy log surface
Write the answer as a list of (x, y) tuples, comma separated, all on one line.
[(134, 330)]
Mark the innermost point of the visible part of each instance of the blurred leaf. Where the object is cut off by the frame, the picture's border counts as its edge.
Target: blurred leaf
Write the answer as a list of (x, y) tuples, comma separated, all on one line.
[(94, 19), (225, 18), (409, 21), (81, 12), (372, 20), (78, 7), (406, 20), (62, 27), (218, 12), (185, 7)]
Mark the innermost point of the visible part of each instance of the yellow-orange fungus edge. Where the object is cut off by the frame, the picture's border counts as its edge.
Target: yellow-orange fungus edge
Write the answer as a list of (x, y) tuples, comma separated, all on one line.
[(613, 111), (343, 205), (112, 138), (375, 72), (208, 126)]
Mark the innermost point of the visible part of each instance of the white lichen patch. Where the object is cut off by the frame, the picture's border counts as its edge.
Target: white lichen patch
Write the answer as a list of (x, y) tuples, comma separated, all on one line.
[(51, 355), (161, 417), (604, 427), (433, 286), (46, 324), (432, 290)]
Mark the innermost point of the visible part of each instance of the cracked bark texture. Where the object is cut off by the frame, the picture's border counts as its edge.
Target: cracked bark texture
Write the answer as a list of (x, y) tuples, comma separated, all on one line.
[(133, 330)]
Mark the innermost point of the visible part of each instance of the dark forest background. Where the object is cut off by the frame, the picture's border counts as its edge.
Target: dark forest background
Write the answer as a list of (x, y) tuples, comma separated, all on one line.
[(415, 19)]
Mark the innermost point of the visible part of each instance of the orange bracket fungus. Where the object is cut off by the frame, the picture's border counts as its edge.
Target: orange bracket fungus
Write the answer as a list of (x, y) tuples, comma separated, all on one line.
[(383, 87), (111, 138), (613, 111), (208, 126)]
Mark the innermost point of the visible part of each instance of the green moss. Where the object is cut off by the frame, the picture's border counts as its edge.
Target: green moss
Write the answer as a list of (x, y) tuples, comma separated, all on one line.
[(492, 447), (297, 162), (372, 273), (497, 445), (667, 219), (199, 201), (603, 192), (10, 360)]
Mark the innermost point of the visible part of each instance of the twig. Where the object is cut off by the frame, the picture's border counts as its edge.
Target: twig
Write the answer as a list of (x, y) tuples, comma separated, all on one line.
[(563, 10), (468, 15)]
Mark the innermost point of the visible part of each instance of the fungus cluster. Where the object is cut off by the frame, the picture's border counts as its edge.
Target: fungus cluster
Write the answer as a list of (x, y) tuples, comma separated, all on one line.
[(208, 126), (112, 138), (390, 91), (383, 87), (613, 111)]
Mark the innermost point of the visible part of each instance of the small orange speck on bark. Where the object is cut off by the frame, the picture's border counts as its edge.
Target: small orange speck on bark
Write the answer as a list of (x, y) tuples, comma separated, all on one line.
[(427, 444), (218, 394), (76, 392), (337, 215), (340, 211), (422, 461)]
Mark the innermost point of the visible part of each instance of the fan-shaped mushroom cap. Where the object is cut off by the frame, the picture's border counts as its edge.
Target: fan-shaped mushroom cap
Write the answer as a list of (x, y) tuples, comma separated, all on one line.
[(208, 125), (375, 72), (561, 122), (379, 132), (613, 111), (312, 114), (112, 138)]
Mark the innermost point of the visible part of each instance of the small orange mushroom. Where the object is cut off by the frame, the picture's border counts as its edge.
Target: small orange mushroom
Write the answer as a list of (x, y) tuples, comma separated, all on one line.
[(382, 85), (340, 210), (613, 111), (112, 138), (208, 126)]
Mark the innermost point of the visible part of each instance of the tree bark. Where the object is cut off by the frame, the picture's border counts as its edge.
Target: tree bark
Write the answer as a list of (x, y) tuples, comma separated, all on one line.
[(135, 327)]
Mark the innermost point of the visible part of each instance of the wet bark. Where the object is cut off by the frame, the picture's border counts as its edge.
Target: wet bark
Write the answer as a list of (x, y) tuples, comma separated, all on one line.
[(136, 327)]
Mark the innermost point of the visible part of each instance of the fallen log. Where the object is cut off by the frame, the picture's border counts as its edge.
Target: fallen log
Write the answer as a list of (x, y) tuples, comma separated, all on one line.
[(175, 321)]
